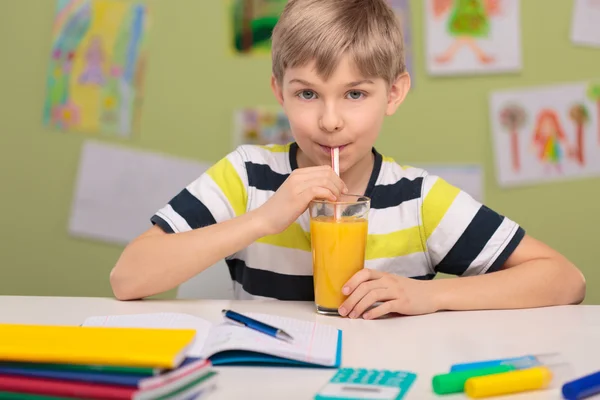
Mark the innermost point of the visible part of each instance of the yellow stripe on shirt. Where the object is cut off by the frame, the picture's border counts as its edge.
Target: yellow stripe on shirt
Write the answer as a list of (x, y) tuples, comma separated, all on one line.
[(294, 237), (395, 244), (436, 204), (226, 177), (277, 148)]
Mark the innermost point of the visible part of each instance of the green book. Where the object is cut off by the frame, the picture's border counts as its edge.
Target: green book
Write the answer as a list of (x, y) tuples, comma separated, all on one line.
[(27, 396), (89, 368)]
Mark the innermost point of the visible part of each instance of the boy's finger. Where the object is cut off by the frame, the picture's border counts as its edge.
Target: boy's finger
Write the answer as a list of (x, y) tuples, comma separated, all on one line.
[(374, 295), (361, 276), (357, 295), (380, 310)]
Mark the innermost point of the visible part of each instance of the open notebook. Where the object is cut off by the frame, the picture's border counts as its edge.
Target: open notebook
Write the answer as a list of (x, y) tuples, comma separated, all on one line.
[(316, 345)]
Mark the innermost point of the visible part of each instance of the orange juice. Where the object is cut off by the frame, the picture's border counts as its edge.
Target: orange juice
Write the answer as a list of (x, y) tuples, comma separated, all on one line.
[(338, 250)]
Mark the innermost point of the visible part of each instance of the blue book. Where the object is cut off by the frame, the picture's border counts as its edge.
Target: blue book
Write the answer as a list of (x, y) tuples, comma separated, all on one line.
[(313, 345)]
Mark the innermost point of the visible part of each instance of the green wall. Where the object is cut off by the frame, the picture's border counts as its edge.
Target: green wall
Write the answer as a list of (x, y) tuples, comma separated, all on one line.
[(192, 87)]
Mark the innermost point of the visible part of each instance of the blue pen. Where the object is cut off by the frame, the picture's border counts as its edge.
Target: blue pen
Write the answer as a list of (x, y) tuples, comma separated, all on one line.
[(251, 323), (583, 387)]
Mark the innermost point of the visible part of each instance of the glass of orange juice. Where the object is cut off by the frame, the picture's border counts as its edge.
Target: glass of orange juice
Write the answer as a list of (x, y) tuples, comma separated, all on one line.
[(338, 232)]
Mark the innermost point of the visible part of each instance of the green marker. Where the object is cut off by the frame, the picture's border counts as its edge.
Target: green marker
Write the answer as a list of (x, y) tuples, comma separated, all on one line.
[(454, 382)]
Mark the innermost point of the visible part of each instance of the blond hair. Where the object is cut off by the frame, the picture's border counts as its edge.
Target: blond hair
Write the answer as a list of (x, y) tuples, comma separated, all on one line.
[(324, 30)]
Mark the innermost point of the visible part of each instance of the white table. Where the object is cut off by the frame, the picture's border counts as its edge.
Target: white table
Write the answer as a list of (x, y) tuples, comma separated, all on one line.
[(426, 345)]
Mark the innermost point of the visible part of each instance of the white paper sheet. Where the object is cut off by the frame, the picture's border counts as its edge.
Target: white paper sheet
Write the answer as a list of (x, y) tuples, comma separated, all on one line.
[(453, 48), (585, 24), (546, 134), (118, 189), (467, 177)]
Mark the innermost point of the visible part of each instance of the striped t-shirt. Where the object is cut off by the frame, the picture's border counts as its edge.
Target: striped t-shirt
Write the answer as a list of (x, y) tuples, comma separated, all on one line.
[(419, 224)]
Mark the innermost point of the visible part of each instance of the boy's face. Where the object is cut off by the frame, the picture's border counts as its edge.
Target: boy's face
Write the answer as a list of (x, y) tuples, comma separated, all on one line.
[(346, 111)]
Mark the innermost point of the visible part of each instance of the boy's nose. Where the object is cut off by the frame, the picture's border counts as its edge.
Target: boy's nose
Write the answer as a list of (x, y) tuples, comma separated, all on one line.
[(330, 121)]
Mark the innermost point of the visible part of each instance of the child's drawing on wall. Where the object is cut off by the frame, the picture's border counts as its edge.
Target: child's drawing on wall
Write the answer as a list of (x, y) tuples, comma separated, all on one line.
[(96, 70), (549, 141), (555, 127), (472, 36), (252, 23), (585, 30), (579, 115), (261, 126)]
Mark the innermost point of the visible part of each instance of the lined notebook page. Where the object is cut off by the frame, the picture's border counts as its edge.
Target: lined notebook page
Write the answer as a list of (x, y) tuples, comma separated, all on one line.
[(158, 320), (313, 343)]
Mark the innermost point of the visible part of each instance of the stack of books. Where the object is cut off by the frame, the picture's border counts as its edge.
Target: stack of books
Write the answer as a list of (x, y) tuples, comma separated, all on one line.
[(71, 362)]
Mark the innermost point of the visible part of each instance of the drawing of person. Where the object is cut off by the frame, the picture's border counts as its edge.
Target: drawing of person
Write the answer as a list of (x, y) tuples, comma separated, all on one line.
[(94, 57), (549, 140), (468, 21)]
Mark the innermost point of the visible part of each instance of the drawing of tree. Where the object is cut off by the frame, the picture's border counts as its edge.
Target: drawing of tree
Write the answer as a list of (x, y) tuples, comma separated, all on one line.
[(580, 116), (512, 118), (247, 16), (594, 95)]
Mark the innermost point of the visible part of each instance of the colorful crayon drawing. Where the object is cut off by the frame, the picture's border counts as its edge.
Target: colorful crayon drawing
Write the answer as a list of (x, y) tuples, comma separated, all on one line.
[(553, 133), (580, 116), (585, 29), (252, 23), (513, 118), (472, 36), (261, 126), (549, 140), (402, 10), (97, 67)]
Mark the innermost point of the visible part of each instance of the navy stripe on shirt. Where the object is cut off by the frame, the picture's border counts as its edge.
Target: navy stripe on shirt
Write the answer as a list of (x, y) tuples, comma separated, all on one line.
[(471, 243), (385, 196), (262, 177), (508, 250), (259, 282), (191, 209)]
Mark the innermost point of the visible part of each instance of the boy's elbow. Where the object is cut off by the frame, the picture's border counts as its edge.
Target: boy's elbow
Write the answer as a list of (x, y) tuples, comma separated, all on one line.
[(574, 285), (124, 283), (120, 288)]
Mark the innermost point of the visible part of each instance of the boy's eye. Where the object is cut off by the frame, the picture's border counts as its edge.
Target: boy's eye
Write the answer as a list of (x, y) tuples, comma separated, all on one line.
[(355, 94), (307, 94)]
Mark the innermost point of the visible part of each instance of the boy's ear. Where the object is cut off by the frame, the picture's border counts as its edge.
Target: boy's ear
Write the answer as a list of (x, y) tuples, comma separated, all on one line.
[(277, 91), (397, 93)]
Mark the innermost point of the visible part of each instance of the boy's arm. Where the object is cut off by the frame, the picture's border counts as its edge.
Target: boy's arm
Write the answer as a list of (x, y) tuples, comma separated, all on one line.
[(500, 266), (201, 225), (534, 275), (156, 261), (208, 221)]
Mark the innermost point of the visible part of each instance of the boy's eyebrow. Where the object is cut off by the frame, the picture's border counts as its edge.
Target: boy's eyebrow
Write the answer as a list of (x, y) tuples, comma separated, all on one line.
[(351, 84), (356, 83), (300, 81)]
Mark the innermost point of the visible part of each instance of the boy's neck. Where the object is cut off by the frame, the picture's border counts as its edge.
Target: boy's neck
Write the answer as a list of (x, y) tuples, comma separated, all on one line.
[(356, 178)]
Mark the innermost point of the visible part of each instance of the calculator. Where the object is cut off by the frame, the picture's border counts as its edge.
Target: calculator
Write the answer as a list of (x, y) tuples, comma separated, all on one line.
[(372, 384)]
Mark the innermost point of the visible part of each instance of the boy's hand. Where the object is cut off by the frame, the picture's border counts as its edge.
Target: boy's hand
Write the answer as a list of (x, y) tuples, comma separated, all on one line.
[(294, 195), (396, 293)]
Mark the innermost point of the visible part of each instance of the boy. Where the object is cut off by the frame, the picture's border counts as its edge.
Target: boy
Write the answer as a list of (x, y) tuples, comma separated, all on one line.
[(338, 70)]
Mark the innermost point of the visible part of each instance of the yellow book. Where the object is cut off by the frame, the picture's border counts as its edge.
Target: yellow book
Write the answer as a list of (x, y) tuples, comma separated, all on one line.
[(134, 347)]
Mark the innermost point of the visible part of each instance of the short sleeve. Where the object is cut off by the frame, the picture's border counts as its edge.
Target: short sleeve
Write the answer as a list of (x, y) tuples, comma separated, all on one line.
[(464, 237), (217, 195)]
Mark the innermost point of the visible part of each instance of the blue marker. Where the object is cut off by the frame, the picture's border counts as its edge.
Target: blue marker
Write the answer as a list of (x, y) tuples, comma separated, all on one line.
[(583, 387), (523, 362)]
